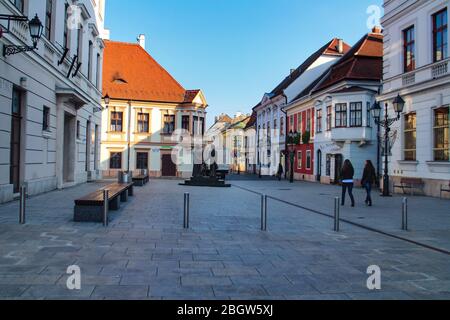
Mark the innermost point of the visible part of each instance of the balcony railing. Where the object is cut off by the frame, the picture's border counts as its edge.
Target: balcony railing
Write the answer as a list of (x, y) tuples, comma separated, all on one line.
[(433, 71), (439, 70), (409, 79)]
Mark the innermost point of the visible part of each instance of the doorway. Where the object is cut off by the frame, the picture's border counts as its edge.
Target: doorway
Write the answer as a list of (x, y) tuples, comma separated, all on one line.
[(339, 161), (319, 165), (16, 127), (169, 169), (69, 148)]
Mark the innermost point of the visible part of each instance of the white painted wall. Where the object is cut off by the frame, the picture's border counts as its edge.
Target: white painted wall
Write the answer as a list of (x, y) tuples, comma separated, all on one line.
[(41, 80), (423, 92)]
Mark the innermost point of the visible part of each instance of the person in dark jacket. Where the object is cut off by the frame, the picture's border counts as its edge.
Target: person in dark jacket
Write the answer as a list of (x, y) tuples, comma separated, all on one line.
[(368, 180), (280, 172), (347, 174)]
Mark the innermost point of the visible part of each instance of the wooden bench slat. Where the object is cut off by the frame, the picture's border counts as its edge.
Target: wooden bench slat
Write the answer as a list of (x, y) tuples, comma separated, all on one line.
[(96, 197)]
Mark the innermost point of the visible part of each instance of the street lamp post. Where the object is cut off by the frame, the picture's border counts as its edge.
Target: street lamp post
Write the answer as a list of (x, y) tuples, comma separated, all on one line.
[(386, 123), (291, 147)]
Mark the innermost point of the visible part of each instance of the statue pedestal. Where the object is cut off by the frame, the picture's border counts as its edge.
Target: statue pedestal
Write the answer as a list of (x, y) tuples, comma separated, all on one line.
[(212, 182)]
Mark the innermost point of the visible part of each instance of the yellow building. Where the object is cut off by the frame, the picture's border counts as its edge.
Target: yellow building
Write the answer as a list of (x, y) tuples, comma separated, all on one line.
[(143, 107)]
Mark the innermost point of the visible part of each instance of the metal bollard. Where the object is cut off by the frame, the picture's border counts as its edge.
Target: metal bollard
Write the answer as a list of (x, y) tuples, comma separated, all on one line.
[(264, 212), (23, 202), (105, 207), (186, 210), (337, 211), (405, 214)]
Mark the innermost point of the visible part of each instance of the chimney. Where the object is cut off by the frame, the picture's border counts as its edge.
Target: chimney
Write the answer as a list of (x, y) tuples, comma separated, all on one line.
[(377, 30), (141, 40), (340, 46), (292, 71)]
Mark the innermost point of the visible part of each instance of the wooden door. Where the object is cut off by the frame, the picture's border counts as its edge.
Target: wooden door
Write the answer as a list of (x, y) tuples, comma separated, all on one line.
[(169, 169)]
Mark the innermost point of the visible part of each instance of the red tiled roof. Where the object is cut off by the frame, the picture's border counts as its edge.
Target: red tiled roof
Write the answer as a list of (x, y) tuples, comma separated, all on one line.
[(364, 61), (190, 95), (130, 73)]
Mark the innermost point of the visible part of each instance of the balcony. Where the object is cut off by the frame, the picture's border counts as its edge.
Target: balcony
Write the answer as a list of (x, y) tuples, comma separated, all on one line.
[(431, 72), (439, 69), (351, 134)]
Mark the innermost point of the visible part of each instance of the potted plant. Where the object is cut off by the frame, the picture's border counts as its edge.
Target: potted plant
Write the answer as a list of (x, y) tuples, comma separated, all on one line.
[(297, 139), (306, 137)]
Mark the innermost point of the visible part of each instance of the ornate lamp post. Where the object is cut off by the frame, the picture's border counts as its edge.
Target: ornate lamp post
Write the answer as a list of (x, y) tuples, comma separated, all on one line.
[(291, 148), (35, 27), (386, 123)]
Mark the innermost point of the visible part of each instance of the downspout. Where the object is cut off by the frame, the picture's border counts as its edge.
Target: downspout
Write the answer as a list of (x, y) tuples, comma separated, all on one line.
[(285, 135), (129, 136)]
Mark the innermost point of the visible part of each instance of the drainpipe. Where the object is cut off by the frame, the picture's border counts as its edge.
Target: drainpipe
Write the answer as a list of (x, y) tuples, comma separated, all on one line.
[(285, 136), (129, 136)]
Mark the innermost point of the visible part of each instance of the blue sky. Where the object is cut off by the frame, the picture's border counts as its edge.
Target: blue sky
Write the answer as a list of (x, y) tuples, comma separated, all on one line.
[(235, 50)]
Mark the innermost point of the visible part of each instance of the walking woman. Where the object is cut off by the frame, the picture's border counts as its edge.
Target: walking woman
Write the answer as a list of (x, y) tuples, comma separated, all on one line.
[(280, 172), (368, 179), (347, 174)]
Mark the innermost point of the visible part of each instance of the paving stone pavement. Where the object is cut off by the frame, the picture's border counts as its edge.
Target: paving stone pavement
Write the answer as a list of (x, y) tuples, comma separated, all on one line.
[(146, 254)]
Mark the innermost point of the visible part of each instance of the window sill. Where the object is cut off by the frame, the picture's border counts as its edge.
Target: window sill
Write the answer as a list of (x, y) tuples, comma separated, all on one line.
[(408, 162), (115, 132), (438, 164)]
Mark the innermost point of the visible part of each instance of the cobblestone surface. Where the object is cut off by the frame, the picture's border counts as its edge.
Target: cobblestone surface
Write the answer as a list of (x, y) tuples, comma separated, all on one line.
[(146, 254)]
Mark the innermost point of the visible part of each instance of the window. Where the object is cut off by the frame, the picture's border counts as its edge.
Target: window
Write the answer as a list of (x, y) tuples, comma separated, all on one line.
[(195, 125), (308, 160), (409, 55), (441, 134), (299, 160), (115, 160), (143, 122), (46, 119), (99, 65), (291, 127), (341, 115), (410, 137), (440, 45), (66, 27), (329, 118), (300, 123), (282, 127), (116, 121), (142, 160), (319, 121), (328, 166), (185, 122), (308, 121), (169, 124), (18, 4), (368, 115), (356, 114), (48, 19), (80, 43), (275, 127), (202, 126), (78, 130), (91, 48)]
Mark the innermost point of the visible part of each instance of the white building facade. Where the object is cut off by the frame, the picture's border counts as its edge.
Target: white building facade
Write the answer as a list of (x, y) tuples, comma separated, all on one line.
[(271, 116), (49, 128), (416, 66), (344, 127)]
